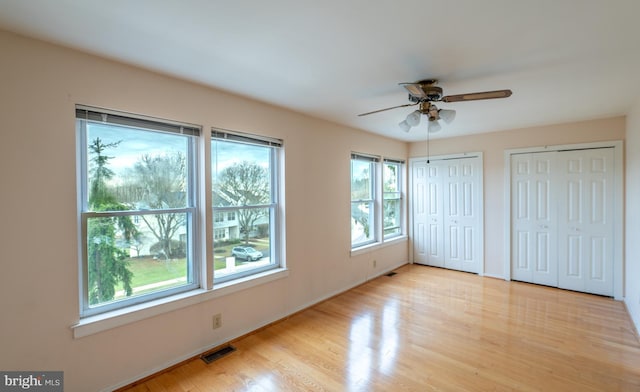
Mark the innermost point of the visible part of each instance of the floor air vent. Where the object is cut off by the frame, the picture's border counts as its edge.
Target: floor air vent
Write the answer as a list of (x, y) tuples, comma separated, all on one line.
[(391, 273), (210, 357)]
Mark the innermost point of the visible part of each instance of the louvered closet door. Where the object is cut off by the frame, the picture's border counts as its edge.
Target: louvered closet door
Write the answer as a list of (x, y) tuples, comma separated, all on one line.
[(586, 220), (534, 218)]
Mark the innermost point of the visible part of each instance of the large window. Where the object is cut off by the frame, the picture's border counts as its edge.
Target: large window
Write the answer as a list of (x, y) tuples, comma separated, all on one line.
[(140, 184), (244, 173), (376, 199), (137, 208)]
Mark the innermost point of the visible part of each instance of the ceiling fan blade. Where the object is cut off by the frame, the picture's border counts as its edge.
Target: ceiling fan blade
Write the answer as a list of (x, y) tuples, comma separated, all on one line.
[(477, 96), (414, 89), (382, 110)]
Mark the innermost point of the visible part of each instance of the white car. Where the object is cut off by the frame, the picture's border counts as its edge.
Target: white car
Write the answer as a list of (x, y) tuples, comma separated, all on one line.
[(246, 252)]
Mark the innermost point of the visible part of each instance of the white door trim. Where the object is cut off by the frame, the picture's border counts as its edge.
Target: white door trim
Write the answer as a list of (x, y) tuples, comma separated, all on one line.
[(618, 227)]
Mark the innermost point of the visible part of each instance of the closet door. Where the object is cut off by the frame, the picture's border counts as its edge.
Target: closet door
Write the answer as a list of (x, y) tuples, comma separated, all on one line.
[(562, 206), (534, 218), (427, 214), (447, 213), (586, 220), (419, 211), (461, 214)]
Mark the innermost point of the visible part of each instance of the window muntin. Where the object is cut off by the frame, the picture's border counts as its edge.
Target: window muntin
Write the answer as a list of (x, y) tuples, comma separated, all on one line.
[(392, 198), (244, 171), (137, 209), (363, 200)]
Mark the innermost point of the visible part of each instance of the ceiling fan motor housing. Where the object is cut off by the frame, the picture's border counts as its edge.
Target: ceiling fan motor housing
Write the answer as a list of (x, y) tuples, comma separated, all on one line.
[(434, 93), (431, 93)]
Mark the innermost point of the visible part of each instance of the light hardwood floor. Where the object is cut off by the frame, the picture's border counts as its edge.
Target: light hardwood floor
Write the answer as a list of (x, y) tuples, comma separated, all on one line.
[(429, 329)]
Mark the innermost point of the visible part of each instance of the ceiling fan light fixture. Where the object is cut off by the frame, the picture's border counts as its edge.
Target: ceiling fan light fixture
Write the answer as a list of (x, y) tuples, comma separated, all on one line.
[(404, 126), (434, 126), (413, 119), (447, 115)]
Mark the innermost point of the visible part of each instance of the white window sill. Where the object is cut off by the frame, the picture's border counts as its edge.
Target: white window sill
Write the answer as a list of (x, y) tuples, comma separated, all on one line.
[(378, 245), (102, 322)]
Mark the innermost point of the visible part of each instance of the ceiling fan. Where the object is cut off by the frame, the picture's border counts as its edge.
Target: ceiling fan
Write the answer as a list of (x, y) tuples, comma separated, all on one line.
[(424, 93)]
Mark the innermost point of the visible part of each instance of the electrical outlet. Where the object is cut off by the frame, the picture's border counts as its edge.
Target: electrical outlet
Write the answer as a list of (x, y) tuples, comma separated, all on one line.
[(217, 321), (375, 263)]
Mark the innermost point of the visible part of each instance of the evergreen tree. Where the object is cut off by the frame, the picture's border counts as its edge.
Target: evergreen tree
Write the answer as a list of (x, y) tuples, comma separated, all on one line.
[(107, 263)]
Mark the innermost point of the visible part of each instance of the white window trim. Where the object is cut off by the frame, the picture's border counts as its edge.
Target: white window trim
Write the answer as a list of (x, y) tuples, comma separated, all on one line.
[(378, 245)]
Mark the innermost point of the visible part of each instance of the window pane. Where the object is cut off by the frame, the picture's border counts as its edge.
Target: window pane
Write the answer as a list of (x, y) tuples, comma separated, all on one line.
[(391, 174), (129, 256), (241, 174), (392, 217), (243, 245), (135, 169), (361, 180), (362, 223)]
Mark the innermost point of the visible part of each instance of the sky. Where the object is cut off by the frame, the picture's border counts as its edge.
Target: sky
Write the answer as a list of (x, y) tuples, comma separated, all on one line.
[(134, 144)]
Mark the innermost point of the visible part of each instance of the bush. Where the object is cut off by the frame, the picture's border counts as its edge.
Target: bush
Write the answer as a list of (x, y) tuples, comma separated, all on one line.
[(233, 241), (178, 250)]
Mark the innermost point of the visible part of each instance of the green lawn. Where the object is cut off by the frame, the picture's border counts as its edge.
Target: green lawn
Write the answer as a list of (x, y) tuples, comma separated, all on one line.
[(147, 271)]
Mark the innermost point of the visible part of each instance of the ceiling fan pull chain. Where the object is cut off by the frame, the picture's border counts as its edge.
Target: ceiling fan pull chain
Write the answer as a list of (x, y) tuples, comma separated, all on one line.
[(428, 148)]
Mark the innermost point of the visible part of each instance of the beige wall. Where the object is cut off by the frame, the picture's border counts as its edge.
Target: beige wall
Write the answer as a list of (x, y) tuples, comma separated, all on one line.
[(632, 244), (39, 86), (493, 146)]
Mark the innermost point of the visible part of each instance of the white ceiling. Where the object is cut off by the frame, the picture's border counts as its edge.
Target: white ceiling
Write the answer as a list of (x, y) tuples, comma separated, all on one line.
[(565, 60)]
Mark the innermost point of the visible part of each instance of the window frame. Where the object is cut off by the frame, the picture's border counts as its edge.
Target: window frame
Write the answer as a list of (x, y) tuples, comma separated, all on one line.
[(86, 114), (274, 206), (400, 165), (377, 228), (373, 201)]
